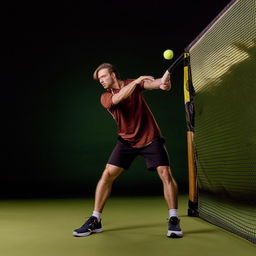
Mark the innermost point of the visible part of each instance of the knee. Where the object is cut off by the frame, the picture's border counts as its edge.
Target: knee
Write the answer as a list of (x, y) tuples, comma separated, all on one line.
[(107, 176), (165, 174), (110, 174)]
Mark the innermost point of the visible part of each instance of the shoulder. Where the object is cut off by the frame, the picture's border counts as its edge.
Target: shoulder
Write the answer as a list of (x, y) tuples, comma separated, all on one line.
[(139, 86), (127, 81), (106, 100)]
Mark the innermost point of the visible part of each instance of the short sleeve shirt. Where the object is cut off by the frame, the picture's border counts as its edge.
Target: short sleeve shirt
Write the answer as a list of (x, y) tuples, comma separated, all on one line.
[(135, 121)]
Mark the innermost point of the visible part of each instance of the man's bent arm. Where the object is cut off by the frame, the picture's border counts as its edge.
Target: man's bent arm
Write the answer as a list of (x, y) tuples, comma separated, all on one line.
[(127, 90)]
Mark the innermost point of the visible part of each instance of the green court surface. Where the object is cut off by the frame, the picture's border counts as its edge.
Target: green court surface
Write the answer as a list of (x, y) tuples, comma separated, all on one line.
[(132, 226)]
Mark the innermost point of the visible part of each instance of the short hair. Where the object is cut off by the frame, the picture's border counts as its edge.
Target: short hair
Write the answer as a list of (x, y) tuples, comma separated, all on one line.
[(111, 68)]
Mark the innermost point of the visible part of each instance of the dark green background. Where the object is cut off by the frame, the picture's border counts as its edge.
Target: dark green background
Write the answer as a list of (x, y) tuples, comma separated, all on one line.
[(65, 137), (55, 135)]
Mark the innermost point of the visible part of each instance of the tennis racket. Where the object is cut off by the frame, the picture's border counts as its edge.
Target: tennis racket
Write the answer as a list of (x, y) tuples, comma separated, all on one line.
[(168, 72)]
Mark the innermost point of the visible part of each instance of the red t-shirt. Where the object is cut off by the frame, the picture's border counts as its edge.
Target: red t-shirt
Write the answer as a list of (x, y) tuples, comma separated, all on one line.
[(135, 122)]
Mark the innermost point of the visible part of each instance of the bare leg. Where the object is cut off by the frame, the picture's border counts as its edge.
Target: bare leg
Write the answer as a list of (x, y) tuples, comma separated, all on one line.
[(169, 186), (104, 186)]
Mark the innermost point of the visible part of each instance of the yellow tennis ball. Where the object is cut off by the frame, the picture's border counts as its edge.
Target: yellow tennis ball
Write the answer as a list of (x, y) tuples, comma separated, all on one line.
[(168, 54)]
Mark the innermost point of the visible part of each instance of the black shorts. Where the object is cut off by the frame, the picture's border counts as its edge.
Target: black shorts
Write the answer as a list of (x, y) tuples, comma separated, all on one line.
[(155, 154)]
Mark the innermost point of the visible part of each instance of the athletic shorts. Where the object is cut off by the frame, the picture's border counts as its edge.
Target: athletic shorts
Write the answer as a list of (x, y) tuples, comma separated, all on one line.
[(155, 154)]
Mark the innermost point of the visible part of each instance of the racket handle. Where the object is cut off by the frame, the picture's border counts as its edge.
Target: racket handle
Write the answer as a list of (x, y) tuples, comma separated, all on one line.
[(165, 76)]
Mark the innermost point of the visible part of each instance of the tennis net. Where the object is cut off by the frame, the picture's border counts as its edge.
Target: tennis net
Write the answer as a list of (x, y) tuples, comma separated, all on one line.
[(223, 72)]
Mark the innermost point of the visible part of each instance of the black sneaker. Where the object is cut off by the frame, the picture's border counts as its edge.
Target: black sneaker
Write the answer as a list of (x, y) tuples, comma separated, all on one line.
[(92, 225), (174, 230)]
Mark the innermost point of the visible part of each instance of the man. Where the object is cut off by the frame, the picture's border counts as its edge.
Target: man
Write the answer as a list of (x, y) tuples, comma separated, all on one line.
[(138, 134)]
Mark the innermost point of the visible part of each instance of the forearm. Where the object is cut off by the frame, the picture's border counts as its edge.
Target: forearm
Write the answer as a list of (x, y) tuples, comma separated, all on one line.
[(127, 90), (151, 85), (124, 93), (158, 84)]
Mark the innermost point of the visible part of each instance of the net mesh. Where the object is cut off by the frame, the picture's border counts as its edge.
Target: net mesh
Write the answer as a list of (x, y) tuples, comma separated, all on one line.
[(223, 68)]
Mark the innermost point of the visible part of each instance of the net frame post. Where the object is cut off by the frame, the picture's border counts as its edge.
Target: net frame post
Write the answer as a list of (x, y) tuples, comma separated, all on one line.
[(189, 112)]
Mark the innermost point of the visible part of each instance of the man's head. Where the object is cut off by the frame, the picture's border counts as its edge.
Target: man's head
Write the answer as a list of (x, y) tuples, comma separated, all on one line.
[(106, 74)]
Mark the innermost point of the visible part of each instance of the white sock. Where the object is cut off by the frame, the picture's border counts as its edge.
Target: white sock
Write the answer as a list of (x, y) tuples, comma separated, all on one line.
[(173, 213), (96, 214)]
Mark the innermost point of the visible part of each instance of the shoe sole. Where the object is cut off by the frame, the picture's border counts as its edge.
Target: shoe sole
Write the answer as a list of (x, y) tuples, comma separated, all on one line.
[(87, 233), (174, 234)]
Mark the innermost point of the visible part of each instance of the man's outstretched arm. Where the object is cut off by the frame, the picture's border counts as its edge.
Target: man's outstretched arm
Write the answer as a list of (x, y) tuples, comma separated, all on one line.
[(158, 84)]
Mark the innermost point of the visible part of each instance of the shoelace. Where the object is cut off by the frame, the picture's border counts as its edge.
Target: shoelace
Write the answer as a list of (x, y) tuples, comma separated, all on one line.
[(173, 221), (89, 222)]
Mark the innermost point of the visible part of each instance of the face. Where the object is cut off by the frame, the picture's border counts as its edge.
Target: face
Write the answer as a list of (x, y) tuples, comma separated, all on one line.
[(105, 78)]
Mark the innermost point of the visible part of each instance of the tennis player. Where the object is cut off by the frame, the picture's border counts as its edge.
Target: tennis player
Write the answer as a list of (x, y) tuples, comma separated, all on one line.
[(138, 134)]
